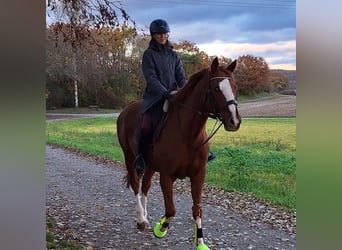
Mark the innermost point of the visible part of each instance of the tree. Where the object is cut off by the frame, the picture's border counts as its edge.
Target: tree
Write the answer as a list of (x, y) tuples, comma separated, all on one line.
[(138, 46), (252, 75), (96, 13), (279, 81), (80, 15), (192, 58), (99, 68), (224, 60)]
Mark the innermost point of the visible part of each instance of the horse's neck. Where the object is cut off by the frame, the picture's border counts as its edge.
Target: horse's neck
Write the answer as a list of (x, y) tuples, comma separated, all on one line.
[(191, 114)]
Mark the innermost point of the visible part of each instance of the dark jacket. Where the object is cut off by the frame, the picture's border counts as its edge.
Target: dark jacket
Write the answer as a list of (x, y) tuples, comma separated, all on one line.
[(163, 71)]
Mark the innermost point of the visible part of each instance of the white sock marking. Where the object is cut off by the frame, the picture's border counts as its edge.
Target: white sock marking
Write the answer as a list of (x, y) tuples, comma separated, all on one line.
[(140, 209)]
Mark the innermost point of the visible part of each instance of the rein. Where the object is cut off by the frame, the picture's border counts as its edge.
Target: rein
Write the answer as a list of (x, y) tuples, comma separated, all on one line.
[(211, 133), (208, 114)]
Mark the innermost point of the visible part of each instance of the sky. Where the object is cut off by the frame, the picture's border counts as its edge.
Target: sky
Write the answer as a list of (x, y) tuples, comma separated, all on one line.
[(261, 28)]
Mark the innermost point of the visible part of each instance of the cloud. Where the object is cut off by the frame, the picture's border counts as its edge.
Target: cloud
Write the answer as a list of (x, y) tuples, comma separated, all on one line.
[(277, 54), (261, 28)]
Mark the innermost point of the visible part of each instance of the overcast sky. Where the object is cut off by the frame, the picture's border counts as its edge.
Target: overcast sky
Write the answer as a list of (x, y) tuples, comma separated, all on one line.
[(262, 28)]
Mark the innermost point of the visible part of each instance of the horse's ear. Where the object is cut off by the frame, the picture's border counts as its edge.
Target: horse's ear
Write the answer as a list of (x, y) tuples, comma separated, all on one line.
[(214, 64), (231, 67)]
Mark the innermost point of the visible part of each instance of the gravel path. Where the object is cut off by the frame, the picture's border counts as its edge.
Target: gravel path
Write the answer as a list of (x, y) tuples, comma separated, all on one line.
[(88, 202)]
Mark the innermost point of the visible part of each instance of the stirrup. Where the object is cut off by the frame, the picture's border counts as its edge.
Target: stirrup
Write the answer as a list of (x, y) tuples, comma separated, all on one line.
[(139, 163)]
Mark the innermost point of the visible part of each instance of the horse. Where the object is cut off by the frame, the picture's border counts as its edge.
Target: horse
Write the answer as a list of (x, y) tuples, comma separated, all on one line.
[(181, 149)]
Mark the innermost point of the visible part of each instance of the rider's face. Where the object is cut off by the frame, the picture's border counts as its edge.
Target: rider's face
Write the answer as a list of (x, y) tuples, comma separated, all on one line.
[(161, 37)]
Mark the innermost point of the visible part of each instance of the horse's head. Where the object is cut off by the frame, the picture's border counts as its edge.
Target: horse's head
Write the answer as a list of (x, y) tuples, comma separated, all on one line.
[(222, 89)]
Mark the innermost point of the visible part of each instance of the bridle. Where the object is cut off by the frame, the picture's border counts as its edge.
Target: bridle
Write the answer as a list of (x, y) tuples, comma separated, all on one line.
[(214, 114), (233, 101)]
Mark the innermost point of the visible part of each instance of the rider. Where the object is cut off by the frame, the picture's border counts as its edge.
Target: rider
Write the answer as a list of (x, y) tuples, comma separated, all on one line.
[(163, 72)]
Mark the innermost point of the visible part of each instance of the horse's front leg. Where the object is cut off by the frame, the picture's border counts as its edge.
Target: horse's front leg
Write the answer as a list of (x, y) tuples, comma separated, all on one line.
[(142, 221), (161, 227), (196, 192)]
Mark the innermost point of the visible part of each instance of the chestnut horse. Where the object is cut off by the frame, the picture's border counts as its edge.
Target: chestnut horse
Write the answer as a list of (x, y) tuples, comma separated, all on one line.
[(181, 149)]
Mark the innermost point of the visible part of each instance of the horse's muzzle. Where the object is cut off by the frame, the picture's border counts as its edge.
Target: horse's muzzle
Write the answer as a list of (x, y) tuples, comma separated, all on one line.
[(232, 125)]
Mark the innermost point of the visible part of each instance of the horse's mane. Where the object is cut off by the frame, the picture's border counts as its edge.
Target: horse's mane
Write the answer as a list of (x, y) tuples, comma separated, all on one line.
[(194, 79), (191, 84)]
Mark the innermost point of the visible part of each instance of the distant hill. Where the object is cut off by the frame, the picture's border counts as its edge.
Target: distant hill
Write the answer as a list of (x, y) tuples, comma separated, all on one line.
[(291, 74)]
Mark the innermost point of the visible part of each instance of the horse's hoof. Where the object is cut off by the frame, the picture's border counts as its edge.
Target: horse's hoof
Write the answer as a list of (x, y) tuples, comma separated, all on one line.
[(142, 226), (157, 232), (203, 247)]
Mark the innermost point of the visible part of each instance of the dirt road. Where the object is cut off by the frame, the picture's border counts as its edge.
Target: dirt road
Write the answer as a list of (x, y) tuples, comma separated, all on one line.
[(89, 204), (280, 106)]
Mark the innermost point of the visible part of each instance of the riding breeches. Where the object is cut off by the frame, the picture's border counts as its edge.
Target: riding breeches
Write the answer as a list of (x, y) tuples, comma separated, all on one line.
[(146, 124)]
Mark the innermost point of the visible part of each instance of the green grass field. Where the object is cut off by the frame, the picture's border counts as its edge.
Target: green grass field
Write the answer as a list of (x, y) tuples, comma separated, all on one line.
[(259, 158)]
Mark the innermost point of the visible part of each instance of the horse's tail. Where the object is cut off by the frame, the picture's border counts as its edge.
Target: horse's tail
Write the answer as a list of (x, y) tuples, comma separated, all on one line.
[(126, 181)]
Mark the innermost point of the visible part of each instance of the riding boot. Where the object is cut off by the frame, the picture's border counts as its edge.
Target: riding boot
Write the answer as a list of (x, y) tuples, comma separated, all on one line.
[(211, 157), (139, 162)]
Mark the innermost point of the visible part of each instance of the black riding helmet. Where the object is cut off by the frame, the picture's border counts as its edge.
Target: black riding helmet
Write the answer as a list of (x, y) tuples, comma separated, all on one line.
[(159, 26)]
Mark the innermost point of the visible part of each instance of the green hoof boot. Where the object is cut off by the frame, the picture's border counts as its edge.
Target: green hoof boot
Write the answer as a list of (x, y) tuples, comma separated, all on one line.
[(159, 225), (203, 247)]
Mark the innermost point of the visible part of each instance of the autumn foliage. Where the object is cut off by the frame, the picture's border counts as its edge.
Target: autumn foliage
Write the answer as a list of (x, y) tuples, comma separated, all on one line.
[(252, 75), (106, 64), (94, 51)]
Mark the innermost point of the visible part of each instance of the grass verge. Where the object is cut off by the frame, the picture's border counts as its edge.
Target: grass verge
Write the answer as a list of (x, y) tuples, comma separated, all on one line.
[(259, 158)]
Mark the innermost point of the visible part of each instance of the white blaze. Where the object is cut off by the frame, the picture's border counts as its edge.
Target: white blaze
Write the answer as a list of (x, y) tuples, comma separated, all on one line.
[(227, 91)]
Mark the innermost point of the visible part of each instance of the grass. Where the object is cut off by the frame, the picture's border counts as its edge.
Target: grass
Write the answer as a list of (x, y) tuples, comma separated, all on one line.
[(259, 158), (81, 110), (96, 136)]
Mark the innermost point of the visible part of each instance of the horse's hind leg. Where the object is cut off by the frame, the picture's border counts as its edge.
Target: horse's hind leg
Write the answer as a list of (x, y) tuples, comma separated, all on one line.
[(141, 199), (196, 192), (142, 222), (133, 181)]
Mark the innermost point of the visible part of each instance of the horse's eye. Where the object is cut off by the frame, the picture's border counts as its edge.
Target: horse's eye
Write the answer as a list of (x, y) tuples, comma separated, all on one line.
[(217, 89)]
